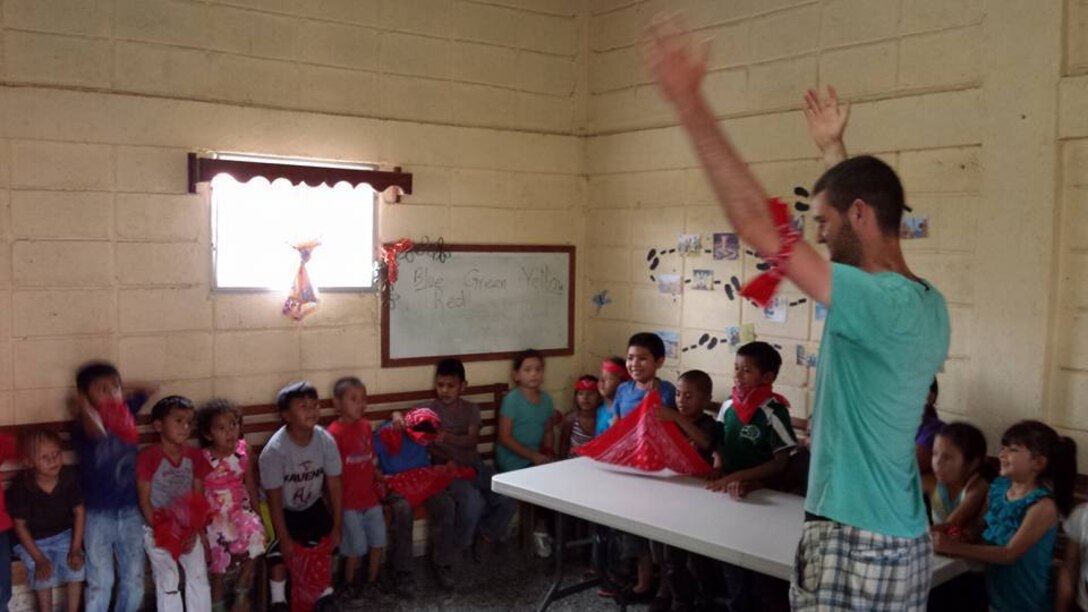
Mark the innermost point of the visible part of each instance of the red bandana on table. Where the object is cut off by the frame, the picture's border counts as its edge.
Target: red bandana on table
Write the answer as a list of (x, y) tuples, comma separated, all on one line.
[(175, 526), (642, 441), (311, 573), (419, 484), (762, 288), (303, 297), (746, 404)]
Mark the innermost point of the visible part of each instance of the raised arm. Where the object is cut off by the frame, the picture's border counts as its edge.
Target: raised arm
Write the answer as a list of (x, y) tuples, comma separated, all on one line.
[(679, 67), (826, 124)]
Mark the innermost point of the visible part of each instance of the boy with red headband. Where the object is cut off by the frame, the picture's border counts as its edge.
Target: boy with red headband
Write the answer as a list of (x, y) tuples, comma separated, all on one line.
[(613, 374)]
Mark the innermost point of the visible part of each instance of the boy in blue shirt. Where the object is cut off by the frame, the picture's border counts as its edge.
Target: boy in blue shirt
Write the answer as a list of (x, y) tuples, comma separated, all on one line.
[(645, 356), (105, 440), (399, 445)]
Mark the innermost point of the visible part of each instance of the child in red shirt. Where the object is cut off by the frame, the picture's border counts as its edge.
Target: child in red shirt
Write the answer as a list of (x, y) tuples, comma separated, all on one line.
[(165, 473), (364, 521)]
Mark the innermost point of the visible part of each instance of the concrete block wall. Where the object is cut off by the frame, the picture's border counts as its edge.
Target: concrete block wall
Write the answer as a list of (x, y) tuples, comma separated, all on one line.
[(103, 254), (961, 97), (487, 101), (507, 63)]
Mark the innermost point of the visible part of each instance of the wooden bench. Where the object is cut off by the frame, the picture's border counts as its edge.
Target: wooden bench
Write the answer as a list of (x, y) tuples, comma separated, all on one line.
[(260, 421)]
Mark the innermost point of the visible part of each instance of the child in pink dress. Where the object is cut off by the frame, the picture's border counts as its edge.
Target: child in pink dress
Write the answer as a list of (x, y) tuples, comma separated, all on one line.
[(235, 530)]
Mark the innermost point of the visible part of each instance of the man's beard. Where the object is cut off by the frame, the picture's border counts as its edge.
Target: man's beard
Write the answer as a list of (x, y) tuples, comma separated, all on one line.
[(846, 249)]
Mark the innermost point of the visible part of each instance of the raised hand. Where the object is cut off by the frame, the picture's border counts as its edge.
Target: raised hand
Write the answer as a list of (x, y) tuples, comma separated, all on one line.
[(676, 61), (827, 121)]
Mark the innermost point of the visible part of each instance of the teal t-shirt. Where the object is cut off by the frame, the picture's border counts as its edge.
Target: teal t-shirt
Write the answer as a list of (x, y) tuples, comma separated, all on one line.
[(884, 340), (530, 420)]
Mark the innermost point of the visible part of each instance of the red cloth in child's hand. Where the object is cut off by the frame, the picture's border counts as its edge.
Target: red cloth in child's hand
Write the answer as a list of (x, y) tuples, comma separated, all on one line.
[(118, 420), (175, 526), (419, 484), (642, 441), (311, 573)]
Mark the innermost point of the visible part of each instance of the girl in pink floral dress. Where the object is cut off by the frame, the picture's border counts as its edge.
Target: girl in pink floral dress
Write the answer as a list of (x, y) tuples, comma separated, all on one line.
[(235, 532)]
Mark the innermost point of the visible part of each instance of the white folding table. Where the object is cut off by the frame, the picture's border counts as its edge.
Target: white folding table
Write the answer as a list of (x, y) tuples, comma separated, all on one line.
[(759, 532)]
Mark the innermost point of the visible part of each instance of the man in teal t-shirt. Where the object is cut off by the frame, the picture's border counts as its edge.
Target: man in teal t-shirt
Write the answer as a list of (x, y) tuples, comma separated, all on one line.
[(864, 544)]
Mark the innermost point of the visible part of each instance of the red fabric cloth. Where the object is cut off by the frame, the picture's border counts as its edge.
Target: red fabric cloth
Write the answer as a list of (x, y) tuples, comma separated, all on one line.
[(609, 366), (390, 252), (419, 484), (640, 440), (420, 424), (354, 440), (762, 288), (7, 453), (746, 404), (118, 420), (176, 525), (311, 573)]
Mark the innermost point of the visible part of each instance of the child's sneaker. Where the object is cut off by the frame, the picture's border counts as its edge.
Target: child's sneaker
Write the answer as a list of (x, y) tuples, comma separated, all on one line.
[(327, 603), (542, 544)]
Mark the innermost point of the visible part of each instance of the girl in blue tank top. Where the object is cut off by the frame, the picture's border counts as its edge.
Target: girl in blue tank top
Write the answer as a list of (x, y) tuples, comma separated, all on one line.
[(1036, 483)]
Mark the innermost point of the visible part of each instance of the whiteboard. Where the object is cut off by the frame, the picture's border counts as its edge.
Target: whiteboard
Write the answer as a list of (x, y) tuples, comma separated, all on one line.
[(479, 302)]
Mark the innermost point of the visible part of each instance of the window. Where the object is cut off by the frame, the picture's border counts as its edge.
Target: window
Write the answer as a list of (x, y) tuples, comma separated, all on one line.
[(256, 225)]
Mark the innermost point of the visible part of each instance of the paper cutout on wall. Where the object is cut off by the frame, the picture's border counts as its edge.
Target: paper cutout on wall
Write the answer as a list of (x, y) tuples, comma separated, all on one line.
[(702, 280), (672, 343), (690, 245), (914, 227), (726, 246), (776, 310), (669, 284), (601, 300), (821, 312)]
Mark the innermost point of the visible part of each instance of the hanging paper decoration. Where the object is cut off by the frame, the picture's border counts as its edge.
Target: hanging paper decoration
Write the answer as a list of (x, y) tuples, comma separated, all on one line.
[(762, 288), (642, 441), (303, 298), (419, 484), (176, 525), (311, 573)]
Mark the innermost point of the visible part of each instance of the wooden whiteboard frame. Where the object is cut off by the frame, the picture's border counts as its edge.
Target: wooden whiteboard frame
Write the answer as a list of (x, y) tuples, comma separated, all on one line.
[(390, 362)]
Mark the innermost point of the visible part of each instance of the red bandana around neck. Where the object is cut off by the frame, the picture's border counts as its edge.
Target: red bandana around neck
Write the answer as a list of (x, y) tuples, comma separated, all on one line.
[(746, 404)]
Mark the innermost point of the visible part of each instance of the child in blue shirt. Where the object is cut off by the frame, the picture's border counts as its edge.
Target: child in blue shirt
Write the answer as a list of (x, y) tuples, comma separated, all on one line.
[(645, 356), (105, 441), (1035, 486), (399, 446)]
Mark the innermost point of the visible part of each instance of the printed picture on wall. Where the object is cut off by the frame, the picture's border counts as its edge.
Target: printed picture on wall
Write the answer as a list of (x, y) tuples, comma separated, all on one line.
[(732, 336), (689, 245), (821, 312), (669, 284), (726, 246), (798, 223), (776, 310), (802, 358), (914, 227), (672, 343), (702, 280)]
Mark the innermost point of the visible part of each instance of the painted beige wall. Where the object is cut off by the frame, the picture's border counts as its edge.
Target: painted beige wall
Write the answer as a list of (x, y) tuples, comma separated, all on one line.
[(976, 104), (102, 252), (528, 121)]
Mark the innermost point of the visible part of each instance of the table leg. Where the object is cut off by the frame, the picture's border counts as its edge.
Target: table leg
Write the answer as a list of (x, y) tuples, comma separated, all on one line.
[(556, 591)]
